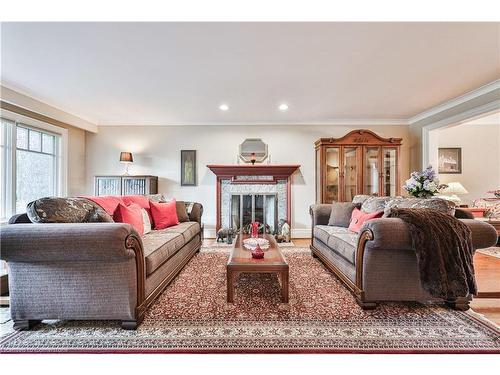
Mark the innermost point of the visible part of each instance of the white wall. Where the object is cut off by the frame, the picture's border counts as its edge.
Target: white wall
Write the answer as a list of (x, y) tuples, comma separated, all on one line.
[(156, 151), (480, 145)]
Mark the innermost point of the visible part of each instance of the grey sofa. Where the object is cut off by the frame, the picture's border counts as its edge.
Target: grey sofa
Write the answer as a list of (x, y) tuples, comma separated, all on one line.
[(92, 271), (379, 263)]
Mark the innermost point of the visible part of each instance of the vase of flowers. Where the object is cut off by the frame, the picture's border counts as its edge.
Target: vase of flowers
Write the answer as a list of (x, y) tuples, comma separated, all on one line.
[(423, 184)]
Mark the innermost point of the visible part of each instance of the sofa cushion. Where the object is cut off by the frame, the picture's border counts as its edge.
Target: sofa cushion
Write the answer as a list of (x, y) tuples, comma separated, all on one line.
[(340, 240), (159, 246), (182, 214), (188, 229), (374, 204), (164, 214), (340, 215), (358, 218), (146, 221), (442, 205), (66, 210), (107, 202), (131, 214)]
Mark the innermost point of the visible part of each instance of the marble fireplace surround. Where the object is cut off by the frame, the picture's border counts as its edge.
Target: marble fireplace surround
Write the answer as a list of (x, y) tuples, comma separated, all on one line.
[(254, 179)]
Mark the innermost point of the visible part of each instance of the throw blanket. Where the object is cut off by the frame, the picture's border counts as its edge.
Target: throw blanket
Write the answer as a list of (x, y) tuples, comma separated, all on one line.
[(443, 245)]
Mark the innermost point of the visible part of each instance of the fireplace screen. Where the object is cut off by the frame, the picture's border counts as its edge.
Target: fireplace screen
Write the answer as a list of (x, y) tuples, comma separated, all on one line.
[(246, 208)]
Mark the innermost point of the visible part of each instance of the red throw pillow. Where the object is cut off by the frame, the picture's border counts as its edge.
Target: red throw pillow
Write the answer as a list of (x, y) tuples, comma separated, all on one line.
[(141, 200), (131, 214), (107, 202), (358, 218), (164, 214)]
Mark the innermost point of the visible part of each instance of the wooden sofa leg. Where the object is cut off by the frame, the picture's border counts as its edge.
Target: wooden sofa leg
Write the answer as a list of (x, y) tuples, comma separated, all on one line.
[(25, 325), (130, 324), (461, 304), (366, 305)]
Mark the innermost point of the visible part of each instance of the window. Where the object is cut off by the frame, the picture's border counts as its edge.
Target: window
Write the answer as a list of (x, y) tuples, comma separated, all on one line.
[(30, 160)]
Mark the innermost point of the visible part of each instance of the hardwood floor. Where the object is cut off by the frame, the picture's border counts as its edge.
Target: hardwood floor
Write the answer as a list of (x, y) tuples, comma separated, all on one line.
[(487, 277)]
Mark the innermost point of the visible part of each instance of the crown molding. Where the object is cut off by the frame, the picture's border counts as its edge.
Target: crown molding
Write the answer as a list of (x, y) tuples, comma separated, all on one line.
[(474, 94), (338, 122), (30, 106)]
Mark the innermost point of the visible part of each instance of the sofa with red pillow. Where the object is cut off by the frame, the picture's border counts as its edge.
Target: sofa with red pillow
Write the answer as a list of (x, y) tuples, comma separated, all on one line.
[(373, 253), (119, 252)]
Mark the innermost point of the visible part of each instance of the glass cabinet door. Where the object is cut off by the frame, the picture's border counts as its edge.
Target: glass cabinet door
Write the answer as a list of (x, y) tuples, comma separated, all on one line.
[(371, 171), (350, 173), (389, 172), (332, 175)]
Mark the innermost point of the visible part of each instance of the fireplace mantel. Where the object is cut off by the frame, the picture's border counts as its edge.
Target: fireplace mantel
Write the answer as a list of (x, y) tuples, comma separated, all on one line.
[(276, 172)]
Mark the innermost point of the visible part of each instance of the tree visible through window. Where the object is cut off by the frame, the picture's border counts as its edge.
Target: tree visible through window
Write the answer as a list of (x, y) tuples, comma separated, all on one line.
[(36, 166)]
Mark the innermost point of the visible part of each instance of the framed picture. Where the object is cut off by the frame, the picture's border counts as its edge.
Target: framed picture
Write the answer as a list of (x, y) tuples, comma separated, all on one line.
[(188, 167), (450, 160)]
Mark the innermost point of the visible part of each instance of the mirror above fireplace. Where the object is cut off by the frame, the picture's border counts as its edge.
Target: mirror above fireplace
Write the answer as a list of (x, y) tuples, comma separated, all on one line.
[(253, 150)]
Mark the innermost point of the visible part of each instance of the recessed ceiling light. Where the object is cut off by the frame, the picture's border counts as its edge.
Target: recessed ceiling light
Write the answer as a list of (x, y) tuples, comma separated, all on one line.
[(224, 107), (283, 107)]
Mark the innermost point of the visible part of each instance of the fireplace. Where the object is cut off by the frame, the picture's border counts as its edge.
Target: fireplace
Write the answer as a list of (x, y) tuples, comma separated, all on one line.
[(247, 193), (260, 207)]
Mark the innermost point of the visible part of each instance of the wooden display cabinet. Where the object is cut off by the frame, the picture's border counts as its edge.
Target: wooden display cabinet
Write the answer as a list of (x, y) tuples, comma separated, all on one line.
[(360, 162)]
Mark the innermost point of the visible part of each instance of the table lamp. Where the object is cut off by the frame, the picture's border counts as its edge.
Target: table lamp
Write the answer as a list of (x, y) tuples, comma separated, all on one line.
[(126, 157), (452, 192)]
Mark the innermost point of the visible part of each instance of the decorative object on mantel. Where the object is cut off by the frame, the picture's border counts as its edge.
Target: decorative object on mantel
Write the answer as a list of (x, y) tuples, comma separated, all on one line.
[(253, 158), (450, 160), (253, 150), (423, 184), (188, 167), (452, 191), (496, 193), (251, 186), (127, 158), (125, 185), (361, 162)]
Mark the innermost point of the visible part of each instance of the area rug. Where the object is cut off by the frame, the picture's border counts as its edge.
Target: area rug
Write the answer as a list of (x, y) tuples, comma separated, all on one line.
[(491, 251), (192, 316)]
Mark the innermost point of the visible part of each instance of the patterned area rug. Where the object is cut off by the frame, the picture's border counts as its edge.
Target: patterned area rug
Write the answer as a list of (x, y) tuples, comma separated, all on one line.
[(192, 316), (491, 251)]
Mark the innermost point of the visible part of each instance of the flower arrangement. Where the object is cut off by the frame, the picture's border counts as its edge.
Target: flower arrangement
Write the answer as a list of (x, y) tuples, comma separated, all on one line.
[(423, 184), (496, 193)]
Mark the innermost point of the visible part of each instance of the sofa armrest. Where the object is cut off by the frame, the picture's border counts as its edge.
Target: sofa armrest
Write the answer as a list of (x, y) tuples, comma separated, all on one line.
[(483, 234), (393, 233), (20, 219), (196, 213), (320, 214), (66, 242), (463, 214), (388, 233)]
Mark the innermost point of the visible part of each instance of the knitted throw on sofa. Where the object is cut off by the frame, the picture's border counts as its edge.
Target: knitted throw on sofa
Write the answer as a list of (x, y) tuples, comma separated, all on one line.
[(443, 245)]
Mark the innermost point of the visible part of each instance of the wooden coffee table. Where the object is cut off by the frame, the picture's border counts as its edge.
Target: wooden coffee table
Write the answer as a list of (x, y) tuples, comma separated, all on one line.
[(241, 261)]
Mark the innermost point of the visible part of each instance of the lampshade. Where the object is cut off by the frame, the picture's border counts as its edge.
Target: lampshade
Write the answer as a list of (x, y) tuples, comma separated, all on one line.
[(454, 188), (126, 157)]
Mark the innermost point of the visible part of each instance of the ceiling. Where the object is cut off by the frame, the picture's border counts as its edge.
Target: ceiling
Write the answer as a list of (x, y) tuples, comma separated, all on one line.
[(179, 73)]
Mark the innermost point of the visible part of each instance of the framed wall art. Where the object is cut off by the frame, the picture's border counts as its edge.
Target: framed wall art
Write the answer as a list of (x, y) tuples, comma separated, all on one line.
[(188, 167), (450, 160)]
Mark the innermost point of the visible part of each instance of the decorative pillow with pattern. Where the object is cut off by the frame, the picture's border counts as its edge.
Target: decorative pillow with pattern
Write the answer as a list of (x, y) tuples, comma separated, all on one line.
[(442, 205), (66, 210), (374, 204)]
